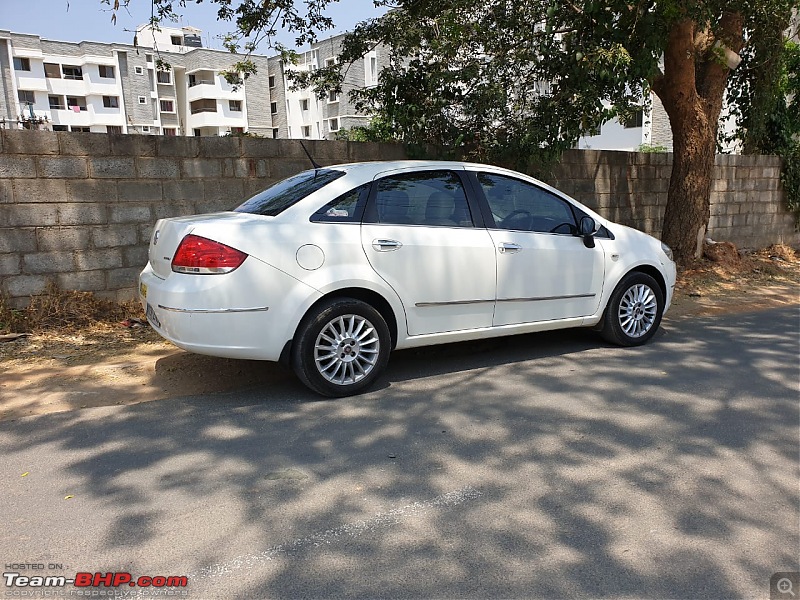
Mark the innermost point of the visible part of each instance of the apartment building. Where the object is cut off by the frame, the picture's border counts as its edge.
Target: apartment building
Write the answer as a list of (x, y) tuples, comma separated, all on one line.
[(121, 88), (301, 114), (117, 88), (649, 126)]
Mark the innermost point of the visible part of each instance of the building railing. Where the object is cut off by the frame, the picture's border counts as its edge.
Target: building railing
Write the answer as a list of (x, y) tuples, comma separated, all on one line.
[(201, 82), (204, 109)]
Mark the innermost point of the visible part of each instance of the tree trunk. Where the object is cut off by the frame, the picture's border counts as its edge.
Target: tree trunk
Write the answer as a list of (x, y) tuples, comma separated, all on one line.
[(691, 90), (688, 203)]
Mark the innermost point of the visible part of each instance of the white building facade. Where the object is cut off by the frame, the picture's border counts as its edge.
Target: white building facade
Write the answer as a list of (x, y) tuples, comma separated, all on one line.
[(168, 84)]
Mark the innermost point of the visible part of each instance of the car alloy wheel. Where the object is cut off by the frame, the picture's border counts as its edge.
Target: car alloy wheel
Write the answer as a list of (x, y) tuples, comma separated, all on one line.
[(341, 347), (347, 349), (637, 310), (634, 310)]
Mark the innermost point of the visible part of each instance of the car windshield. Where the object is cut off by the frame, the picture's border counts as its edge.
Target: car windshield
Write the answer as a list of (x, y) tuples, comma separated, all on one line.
[(277, 198)]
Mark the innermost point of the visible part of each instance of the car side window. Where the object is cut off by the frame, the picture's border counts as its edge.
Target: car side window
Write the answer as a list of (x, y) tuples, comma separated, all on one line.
[(433, 198), (520, 205), (347, 208)]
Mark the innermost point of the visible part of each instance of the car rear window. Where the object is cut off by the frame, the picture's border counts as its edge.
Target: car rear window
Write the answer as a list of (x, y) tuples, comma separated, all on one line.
[(277, 198)]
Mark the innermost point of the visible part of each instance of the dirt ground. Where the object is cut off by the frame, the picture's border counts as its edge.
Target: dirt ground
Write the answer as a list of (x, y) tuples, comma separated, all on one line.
[(62, 368)]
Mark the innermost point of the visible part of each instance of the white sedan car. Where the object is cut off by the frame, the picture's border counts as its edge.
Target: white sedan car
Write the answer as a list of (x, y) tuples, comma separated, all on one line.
[(331, 269)]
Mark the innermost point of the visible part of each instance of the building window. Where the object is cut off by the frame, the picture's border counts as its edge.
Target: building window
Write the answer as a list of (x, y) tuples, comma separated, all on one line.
[(145, 128), (371, 69), (176, 40), (60, 128), (167, 106), (333, 124), (76, 104), (138, 70), (204, 77), (272, 81), (306, 131), (310, 59), (148, 57), (235, 105), (304, 104), (22, 64), (164, 77), (56, 102), (329, 62), (274, 133), (142, 100), (106, 71), (634, 121), (115, 129), (52, 70), (26, 97), (72, 72), (201, 106), (81, 129), (333, 97), (110, 102), (170, 131), (237, 130), (273, 107), (196, 132)]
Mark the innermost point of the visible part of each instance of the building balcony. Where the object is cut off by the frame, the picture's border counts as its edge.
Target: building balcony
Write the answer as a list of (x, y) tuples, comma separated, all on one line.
[(98, 88), (208, 118), (202, 90), (38, 84), (69, 87)]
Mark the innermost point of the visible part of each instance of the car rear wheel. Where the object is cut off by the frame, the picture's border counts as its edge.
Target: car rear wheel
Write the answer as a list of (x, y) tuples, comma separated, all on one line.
[(341, 348), (634, 311)]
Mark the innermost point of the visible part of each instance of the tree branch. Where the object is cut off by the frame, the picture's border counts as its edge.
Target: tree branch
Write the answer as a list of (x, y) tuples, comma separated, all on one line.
[(678, 81), (711, 81)]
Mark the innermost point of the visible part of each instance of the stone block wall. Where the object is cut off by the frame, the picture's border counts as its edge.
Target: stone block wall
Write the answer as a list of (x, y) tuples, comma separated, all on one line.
[(78, 208), (747, 198)]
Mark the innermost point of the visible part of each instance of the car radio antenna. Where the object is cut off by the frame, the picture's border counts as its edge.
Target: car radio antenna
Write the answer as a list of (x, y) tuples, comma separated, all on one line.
[(308, 154)]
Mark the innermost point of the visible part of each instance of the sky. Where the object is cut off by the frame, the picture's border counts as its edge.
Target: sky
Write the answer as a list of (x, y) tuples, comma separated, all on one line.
[(90, 20)]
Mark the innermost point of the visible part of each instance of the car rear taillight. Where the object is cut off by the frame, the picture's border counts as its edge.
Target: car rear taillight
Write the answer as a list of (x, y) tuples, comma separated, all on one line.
[(201, 256)]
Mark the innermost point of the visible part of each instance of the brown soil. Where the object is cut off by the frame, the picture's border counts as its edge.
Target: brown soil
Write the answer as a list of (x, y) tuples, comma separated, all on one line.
[(65, 366)]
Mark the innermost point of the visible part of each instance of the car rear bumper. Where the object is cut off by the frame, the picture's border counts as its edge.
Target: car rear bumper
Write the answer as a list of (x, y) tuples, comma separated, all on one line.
[(213, 314)]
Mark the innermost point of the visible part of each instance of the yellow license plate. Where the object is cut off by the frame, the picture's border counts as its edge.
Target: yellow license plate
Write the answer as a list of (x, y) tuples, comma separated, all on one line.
[(143, 290)]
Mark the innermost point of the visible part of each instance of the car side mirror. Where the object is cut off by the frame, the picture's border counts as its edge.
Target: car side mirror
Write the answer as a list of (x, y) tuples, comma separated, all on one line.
[(586, 229)]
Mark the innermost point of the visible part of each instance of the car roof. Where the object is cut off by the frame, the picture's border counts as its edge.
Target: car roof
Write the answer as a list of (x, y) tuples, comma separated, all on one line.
[(373, 168), (378, 166)]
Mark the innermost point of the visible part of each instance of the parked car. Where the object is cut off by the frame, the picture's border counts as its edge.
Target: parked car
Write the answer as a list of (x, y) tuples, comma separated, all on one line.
[(331, 269)]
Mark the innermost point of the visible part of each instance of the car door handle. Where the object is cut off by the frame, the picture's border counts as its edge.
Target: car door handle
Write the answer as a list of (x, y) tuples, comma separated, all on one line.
[(508, 248), (386, 245)]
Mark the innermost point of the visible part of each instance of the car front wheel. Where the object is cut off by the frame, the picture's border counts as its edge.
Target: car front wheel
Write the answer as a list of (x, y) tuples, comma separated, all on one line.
[(341, 348), (634, 311)]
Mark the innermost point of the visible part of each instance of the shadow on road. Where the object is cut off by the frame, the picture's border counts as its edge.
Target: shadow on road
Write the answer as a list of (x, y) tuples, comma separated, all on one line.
[(663, 471)]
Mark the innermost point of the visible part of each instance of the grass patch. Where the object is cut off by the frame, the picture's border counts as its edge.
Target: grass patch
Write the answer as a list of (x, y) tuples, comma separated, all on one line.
[(64, 310)]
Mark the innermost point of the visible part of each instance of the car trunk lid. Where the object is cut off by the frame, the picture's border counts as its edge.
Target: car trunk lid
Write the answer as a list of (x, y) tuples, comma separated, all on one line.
[(168, 234)]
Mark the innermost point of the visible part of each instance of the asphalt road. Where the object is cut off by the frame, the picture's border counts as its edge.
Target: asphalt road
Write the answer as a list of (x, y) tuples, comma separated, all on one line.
[(547, 465)]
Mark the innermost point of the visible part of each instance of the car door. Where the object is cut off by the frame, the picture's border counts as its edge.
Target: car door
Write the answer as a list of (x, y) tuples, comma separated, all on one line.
[(544, 271), (419, 235)]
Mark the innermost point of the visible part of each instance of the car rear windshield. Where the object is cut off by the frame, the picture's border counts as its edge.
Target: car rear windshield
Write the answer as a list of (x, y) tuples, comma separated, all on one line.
[(274, 200)]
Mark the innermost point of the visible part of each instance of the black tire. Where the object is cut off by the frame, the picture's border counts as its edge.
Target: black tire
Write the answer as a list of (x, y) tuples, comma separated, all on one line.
[(355, 348), (634, 311)]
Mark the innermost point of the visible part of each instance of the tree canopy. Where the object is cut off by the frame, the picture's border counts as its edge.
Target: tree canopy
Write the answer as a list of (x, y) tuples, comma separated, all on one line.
[(522, 80), (518, 81)]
